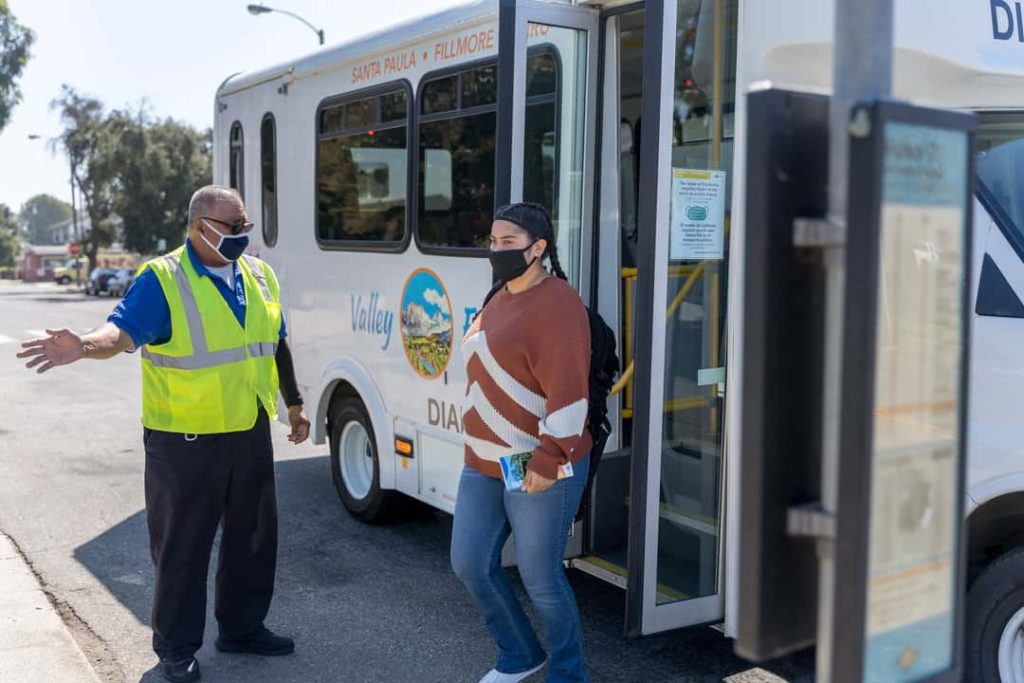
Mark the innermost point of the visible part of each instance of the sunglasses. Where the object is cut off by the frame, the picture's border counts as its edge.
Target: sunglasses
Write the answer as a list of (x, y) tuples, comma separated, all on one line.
[(235, 228)]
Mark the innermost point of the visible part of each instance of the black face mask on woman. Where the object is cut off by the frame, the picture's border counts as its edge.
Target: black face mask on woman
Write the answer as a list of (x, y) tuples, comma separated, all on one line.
[(509, 264)]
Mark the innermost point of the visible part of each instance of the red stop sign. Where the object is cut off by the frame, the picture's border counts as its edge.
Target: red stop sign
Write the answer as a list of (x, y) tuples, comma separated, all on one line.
[(73, 248)]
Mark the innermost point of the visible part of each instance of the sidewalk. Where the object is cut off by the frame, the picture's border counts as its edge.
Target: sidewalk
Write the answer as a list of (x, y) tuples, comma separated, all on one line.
[(35, 645)]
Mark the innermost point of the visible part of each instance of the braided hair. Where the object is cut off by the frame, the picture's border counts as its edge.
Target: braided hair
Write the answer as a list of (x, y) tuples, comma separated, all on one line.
[(535, 220)]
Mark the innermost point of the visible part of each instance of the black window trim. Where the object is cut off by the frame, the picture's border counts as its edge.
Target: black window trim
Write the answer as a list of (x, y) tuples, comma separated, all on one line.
[(1011, 231), (277, 194), (427, 79), (412, 169), (237, 124)]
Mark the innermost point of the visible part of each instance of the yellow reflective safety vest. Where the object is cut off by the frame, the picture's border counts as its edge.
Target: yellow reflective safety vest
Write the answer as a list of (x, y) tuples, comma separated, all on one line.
[(212, 373)]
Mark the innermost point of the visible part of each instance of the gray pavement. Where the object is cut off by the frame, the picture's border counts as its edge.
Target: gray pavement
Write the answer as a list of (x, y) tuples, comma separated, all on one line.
[(364, 603)]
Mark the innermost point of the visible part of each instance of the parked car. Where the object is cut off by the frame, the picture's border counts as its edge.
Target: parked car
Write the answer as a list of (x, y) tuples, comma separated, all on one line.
[(118, 285), (63, 275), (99, 278)]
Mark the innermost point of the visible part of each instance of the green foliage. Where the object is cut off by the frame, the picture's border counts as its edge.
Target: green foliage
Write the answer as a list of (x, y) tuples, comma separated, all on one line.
[(90, 140), (159, 165), (15, 41), (9, 246), (39, 213), (128, 165)]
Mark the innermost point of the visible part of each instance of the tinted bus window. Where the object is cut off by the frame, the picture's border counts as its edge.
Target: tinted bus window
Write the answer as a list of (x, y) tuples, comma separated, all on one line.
[(362, 171), (268, 178), (236, 159)]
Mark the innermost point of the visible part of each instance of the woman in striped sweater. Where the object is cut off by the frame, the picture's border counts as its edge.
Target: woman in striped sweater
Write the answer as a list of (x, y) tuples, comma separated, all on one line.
[(527, 363)]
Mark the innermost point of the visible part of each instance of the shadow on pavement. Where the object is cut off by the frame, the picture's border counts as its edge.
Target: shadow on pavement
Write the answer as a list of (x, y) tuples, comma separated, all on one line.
[(379, 603)]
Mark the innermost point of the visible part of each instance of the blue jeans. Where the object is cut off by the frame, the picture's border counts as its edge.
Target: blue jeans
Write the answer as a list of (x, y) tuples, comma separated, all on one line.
[(485, 514)]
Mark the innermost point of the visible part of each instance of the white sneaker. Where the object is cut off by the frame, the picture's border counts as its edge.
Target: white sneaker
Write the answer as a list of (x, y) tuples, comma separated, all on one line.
[(495, 676)]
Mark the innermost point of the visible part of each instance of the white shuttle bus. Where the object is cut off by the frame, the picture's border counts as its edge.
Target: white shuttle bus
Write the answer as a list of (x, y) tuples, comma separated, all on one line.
[(372, 170)]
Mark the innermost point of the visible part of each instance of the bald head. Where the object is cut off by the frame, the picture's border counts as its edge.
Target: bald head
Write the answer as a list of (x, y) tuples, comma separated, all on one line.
[(207, 200)]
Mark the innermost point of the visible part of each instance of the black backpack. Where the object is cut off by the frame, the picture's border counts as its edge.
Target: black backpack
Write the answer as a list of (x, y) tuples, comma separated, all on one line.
[(604, 366)]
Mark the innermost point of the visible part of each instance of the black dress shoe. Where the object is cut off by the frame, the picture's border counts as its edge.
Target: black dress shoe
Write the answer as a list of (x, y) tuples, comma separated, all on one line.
[(263, 643), (180, 671)]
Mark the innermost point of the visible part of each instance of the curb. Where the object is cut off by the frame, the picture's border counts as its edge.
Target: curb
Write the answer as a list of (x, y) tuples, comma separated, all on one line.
[(35, 644)]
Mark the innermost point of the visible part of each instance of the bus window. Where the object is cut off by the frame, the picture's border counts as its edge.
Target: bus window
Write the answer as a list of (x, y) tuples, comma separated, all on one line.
[(362, 171), (268, 178), (539, 177), (456, 159), (1000, 168), (236, 160)]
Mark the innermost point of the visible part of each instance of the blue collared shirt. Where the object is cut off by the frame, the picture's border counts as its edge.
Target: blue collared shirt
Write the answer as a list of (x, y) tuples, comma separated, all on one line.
[(144, 315)]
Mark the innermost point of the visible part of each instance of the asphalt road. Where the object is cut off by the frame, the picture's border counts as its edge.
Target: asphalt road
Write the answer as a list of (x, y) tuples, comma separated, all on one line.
[(364, 604)]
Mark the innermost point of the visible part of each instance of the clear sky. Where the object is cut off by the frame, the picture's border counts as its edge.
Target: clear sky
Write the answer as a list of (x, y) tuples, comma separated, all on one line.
[(173, 53)]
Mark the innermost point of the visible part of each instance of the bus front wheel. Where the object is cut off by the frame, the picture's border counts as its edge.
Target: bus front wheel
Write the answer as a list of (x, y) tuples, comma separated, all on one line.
[(994, 631), (355, 466)]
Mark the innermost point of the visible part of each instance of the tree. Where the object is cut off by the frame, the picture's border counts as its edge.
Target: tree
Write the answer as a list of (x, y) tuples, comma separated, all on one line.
[(159, 165), (15, 41), (90, 139), (8, 236), (39, 213)]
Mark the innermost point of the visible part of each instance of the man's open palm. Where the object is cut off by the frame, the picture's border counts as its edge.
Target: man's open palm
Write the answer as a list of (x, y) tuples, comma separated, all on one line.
[(60, 348)]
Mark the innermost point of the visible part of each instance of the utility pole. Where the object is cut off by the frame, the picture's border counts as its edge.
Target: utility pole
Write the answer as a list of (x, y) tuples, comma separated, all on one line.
[(861, 71)]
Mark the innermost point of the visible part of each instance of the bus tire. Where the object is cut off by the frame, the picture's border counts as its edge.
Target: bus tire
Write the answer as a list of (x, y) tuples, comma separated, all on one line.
[(995, 618), (355, 467)]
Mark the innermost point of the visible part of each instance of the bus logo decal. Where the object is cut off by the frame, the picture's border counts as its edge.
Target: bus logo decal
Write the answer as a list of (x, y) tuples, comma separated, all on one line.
[(426, 324), (372, 319)]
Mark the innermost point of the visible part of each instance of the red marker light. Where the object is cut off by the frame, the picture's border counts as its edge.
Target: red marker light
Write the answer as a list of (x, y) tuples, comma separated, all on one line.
[(373, 132)]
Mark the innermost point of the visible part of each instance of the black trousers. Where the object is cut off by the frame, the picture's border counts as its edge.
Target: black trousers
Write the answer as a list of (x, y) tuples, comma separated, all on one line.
[(194, 484)]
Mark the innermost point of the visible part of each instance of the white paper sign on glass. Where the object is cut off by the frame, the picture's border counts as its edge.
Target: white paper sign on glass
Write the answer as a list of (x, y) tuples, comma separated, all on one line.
[(697, 215)]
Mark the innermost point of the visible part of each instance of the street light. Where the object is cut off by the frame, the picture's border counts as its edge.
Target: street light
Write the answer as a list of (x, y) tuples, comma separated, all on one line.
[(256, 10)]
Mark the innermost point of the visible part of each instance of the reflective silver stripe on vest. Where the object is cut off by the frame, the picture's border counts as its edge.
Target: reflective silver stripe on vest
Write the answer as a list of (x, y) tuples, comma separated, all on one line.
[(188, 299), (257, 272), (197, 361), (210, 359), (262, 349), (201, 357)]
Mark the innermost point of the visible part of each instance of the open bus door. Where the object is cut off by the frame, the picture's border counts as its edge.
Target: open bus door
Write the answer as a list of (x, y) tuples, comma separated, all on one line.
[(686, 128), (545, 142), (654, 526)]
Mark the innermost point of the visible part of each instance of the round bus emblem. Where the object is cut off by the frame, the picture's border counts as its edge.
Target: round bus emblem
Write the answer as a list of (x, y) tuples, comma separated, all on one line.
[(426, 324)]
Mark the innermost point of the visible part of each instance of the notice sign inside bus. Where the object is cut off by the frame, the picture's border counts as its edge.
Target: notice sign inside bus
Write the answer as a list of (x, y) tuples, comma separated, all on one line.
[(697, 215)]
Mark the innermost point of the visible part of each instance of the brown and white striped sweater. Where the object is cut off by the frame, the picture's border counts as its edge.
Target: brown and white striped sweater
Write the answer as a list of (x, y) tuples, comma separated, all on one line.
[(527, 370)]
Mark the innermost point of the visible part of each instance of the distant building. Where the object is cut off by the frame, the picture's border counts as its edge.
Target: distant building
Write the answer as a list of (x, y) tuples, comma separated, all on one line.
[(38, 261)]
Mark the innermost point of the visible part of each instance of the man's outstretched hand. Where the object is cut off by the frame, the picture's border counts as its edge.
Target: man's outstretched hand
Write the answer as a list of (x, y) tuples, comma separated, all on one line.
[(61, 347)]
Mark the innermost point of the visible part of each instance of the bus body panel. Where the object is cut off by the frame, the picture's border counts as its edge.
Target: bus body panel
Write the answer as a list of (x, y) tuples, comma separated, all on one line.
[(332, 298)]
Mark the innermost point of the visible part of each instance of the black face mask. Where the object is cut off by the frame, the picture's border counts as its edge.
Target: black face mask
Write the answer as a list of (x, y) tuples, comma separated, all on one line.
[(509, 264)]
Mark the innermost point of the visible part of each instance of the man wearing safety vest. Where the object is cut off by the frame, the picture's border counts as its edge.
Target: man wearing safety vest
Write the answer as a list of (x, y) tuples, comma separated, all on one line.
[(207, 320)]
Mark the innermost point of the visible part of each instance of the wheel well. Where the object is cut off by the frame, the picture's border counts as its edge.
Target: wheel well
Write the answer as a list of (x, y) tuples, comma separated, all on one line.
[(339, 392), (993, 529)]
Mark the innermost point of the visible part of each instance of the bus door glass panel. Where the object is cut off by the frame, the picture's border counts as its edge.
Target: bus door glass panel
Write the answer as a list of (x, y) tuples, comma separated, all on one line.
[(553, 133), (689, 500), (610, 504)]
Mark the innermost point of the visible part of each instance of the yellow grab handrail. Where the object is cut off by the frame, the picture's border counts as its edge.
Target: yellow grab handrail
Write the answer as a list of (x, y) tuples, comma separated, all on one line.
[(684, 291)]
